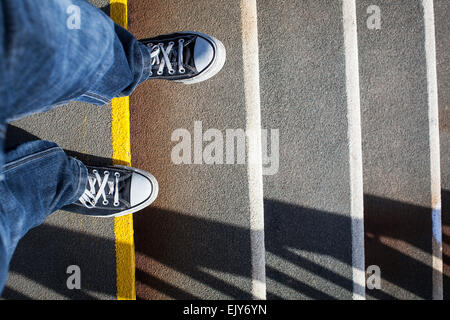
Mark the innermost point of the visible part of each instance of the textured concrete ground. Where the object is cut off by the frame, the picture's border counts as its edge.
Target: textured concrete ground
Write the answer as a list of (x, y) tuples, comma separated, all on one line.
[(195, 240), (307, 203), (396, 150), (38, 268)]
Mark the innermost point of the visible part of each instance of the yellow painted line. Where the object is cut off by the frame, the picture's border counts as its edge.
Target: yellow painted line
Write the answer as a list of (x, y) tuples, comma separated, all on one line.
[(123, 226)]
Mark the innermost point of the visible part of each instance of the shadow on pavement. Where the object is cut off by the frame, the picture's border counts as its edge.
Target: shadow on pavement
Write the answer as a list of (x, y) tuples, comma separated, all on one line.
[(188, 245), (398, 240), (44, 254), (290, 228), (185, 244), (446, 241), (397, 234)]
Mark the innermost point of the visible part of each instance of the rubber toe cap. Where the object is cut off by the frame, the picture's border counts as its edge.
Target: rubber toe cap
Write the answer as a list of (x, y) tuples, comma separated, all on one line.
[(203, 54), (141, 189)]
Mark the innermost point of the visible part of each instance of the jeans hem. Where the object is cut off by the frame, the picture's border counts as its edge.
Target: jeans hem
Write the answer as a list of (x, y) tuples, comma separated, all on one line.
[(146, 63), (82, 180)]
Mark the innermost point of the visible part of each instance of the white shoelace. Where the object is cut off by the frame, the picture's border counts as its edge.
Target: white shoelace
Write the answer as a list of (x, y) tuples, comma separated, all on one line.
[(91, 196), (160, 57)]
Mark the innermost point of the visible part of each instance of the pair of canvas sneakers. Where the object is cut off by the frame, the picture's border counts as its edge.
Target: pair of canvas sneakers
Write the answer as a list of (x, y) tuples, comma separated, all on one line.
[(186, 57)]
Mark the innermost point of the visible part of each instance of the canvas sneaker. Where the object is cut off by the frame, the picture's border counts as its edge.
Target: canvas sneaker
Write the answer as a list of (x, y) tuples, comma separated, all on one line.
[(115, 191), (186, 57)]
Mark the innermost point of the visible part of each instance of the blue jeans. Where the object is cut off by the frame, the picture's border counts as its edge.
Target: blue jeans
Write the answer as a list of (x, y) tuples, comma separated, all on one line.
[(47, 59)]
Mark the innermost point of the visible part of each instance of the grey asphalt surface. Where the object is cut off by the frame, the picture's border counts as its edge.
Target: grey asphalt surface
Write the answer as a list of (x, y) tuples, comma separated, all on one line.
[(442, 9), (395, 133), (38, 268), (307, 204), (194, 241)]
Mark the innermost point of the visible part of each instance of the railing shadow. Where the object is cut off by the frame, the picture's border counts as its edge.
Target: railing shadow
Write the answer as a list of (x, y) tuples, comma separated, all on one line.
[(43, 256), (193, 246), (184, 244), (446, 242)]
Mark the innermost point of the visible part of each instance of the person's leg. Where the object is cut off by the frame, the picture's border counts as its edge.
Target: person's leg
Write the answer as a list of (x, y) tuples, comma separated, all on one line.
[(39, 178), (47, 60), (44, 63), (55, 51)]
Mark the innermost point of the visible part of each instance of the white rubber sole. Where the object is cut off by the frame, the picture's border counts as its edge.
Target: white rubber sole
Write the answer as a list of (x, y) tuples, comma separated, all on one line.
[(217, 64)]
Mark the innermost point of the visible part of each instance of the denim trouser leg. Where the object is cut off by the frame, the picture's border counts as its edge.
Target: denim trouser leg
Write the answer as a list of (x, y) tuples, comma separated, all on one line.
[(39, 179), (47, 59)]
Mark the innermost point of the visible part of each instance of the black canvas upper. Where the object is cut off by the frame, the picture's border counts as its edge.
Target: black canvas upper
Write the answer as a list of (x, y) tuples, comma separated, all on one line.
[(188, 55), (109, 209)]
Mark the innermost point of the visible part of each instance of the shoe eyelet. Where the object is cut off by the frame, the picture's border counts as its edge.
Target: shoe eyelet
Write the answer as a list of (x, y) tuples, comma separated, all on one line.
[(105, 202), (116, 204), (94, 171), (117, 174), (171, 43), (159, 73), (106, 172), (181, 41), (182, 70), (171, 72)]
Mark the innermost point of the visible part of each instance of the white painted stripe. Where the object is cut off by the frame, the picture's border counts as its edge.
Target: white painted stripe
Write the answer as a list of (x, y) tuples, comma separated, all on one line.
[(355, 146), (254, 150), (435, 165)]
